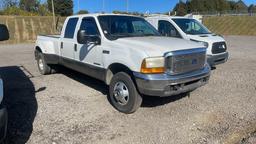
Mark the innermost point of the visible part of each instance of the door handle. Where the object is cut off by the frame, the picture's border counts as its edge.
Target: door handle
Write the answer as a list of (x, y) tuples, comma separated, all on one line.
[(75, 47), (105, 52), (61, 45)]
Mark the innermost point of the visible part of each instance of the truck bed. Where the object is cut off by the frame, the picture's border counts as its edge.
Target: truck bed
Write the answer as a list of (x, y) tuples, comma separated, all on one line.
[(50, 43)]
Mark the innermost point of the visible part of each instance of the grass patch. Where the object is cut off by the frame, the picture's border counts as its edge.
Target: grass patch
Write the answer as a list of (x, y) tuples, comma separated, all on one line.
[(231, 25)]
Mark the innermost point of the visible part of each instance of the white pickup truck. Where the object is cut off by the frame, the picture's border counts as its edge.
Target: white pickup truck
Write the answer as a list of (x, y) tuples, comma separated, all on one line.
[(128, 54), (191, 29)]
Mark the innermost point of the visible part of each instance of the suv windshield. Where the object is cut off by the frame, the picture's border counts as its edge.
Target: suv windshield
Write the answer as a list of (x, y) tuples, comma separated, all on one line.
[(115, 27), (191, 26)]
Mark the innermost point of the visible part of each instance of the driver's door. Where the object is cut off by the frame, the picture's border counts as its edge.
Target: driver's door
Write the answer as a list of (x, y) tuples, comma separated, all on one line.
[(89, 53)]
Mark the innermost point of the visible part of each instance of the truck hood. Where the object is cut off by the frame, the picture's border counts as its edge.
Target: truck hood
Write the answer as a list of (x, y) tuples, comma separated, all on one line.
[(158, 46), (210, 38)]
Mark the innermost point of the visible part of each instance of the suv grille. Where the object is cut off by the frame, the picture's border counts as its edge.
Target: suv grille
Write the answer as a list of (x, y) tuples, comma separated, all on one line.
[(178, 64), (219, 47)]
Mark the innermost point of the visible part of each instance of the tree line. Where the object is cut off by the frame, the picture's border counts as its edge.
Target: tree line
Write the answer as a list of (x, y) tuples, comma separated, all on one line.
[(212, 6), (65, 7), (35, 8)]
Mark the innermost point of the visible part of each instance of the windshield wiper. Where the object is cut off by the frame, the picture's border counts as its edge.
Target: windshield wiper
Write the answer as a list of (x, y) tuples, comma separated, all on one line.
[(150, 35), (144, 35), (117, 36)]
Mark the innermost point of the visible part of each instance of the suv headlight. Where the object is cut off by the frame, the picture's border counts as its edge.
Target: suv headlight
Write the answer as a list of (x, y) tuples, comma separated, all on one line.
[(206, 44), (154, 65)]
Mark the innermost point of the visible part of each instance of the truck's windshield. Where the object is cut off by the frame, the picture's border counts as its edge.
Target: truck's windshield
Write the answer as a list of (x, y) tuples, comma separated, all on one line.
[(191, 26), (115, 27)]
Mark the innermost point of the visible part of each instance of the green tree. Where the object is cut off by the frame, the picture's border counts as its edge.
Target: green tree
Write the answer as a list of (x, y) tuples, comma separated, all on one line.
[(83, 12), (222, 6), (119, 12), (188, 6), (209, 5), (29, 5), (61, 7), (180, 9), (232, 5), (17, 11), (43, 10), (197, 6)]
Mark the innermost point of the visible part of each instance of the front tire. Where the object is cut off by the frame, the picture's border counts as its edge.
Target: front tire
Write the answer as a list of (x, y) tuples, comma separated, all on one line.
[(43, 67), (123, 93)]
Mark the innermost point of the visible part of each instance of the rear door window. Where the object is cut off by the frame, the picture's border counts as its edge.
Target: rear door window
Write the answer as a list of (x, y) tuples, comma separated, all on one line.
[(70, 28)]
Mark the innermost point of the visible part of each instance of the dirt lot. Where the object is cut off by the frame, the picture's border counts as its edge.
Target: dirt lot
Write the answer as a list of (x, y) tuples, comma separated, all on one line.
[(68, 107)]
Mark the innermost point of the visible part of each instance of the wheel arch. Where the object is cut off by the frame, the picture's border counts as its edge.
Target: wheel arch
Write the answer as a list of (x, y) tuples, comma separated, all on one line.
[(115, 68), (37, 48), (37, 51)]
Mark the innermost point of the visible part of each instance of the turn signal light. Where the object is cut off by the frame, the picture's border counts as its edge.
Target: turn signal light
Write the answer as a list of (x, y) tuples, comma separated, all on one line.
[(153, 66)]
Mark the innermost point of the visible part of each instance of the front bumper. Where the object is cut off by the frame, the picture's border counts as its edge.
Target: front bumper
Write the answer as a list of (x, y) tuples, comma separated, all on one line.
[(214, 60), (164, 85)]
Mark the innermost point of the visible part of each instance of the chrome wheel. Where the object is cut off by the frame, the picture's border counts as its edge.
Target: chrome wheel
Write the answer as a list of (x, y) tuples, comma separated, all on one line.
[(41, 64), (121, 93)]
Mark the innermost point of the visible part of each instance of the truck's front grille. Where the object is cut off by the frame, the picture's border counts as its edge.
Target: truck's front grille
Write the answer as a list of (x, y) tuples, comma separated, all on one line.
[(219, 47), (178, 64)]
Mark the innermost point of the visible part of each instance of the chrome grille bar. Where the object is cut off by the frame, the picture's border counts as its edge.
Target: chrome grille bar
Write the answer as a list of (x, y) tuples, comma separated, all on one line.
[(183, 61)]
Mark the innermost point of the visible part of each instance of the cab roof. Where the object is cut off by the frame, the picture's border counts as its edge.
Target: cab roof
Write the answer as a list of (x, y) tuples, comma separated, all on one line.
[(100, 14), (171, 17)]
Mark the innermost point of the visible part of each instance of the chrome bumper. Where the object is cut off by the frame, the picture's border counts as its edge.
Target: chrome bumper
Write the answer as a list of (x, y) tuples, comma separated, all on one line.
[(214, 60), (167, 85)]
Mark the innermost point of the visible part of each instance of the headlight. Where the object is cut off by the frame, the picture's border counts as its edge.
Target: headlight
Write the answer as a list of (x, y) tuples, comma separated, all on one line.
[(206, 44), (153, 65)]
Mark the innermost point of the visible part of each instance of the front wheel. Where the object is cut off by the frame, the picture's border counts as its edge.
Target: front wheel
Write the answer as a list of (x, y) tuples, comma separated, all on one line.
[(123, 93)]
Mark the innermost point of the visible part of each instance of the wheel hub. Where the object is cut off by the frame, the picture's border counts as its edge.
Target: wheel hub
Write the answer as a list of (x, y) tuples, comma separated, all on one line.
[(121, 93), (41, 64)]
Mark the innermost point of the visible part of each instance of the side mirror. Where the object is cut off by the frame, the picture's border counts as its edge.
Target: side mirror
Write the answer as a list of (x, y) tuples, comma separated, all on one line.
[(4, 33), (84, 38)]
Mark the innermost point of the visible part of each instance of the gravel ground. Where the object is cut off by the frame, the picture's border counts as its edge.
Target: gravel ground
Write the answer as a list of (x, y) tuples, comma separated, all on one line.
[(69, 107)]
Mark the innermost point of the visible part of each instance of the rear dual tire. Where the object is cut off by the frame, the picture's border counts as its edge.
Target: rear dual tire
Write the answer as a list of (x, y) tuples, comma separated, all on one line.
[(123, 93), (43, 67)]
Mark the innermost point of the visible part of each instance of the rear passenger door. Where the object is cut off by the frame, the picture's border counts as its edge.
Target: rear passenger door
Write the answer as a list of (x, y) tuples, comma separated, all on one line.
[(68, 41), (167, 29)]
